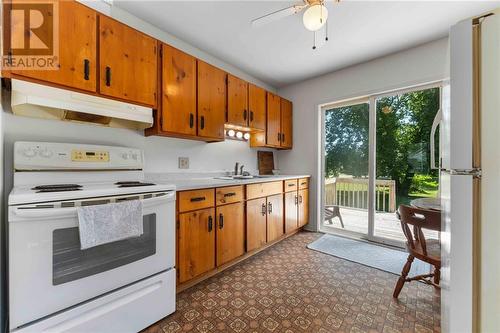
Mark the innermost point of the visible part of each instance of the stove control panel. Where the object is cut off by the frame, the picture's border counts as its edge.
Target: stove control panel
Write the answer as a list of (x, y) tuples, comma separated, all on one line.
[(68, 156), (78, 155)]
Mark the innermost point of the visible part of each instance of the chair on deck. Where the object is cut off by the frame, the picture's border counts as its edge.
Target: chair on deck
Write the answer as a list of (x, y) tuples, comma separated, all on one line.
[(418, 247), (332, 211)]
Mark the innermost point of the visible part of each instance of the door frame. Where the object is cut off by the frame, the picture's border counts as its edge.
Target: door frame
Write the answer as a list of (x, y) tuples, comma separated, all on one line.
[(372, 159)]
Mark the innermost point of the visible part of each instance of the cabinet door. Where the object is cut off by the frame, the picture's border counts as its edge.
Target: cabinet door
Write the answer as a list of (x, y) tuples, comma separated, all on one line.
[(230, 232), (256, 107), (291, 211), (273, 120), (196, 242), (77, 51), (303, 207), (275, 221), (211, 101), (286, 123), (256, 223), (237, 101), (128, 63), (178, 91)]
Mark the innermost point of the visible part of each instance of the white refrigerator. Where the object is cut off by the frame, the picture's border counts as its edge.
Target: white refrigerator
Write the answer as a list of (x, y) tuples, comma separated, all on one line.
[(470, 178)]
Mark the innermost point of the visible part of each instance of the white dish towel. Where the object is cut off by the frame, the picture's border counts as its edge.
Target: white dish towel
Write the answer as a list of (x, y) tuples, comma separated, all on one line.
[(101, 224)]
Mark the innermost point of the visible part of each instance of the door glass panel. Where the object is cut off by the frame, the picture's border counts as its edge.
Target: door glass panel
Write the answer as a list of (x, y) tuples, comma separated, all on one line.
[(346, 168), (403, 170), (71, 263)]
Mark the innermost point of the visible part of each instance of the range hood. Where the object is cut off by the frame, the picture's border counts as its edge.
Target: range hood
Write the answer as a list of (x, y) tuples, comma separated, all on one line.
[(36, 100)]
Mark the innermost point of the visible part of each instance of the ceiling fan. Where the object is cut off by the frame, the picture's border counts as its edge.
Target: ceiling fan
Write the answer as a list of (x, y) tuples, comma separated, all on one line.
[(314, 18)]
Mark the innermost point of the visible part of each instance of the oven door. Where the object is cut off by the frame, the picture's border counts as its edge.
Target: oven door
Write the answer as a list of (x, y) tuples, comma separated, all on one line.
[(48, 272)]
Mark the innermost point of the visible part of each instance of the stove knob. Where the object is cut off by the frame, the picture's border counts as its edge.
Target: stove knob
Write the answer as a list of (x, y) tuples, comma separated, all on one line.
[(29, 152), (134, 156), (125, 156), (46, 153)]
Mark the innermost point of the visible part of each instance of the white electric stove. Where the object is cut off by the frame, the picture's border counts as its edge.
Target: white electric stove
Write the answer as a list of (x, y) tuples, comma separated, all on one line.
[(53, 284)]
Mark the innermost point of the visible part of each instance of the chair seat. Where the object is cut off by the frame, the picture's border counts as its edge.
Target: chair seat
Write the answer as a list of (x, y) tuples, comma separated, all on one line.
[(433, 251)]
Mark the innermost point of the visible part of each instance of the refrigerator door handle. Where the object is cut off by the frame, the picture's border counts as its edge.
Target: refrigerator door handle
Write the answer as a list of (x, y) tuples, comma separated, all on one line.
[(435, 124), (476, 173)]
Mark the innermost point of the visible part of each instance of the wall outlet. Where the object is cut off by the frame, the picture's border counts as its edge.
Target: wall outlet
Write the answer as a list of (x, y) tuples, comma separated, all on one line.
[(183, 162)]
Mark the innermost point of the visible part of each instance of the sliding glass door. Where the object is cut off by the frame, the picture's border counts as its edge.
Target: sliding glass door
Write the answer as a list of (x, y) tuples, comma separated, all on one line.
[(376, 156), (346, 143)]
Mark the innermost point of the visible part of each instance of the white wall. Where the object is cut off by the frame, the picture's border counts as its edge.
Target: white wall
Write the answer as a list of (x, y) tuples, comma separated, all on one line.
[(422, 64)]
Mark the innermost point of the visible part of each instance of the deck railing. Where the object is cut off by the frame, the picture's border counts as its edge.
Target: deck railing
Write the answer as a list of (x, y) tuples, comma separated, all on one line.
[(353, 193)]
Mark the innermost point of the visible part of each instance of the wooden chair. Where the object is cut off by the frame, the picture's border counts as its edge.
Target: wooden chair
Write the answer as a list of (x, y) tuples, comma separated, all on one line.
[(418, 247), (332, 211)]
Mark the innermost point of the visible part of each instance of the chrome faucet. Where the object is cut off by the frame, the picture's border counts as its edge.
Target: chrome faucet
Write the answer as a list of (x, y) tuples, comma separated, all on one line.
[(236, 167), (241, 170)]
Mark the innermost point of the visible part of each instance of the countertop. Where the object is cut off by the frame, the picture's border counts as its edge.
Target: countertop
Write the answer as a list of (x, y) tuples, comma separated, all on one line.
[(192, 182)]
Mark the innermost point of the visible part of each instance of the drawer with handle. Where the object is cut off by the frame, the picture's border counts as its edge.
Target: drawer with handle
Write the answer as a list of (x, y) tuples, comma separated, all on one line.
[(303, 183), (264, 189), (229, 194), (291, 185), (196, 199)]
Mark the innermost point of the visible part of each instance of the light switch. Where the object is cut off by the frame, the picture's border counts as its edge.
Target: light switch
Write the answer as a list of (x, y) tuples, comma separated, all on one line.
[(183, 162)]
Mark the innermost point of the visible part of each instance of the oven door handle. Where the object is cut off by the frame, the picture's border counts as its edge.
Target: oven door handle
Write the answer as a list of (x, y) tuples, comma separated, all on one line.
[(71, 211)]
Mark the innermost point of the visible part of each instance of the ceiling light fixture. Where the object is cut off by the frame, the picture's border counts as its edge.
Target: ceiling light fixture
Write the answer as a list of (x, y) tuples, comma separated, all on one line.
[(315, 17)]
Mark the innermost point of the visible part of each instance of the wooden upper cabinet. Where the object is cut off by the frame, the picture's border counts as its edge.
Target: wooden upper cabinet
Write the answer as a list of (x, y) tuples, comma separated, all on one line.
[(178, 105), (237, 101), (196, 242), (230, 232), (256, 107), (128, 63), (211, 101), (256, 223), (286, 124), (303, 211), (273, 134), (77, 51)]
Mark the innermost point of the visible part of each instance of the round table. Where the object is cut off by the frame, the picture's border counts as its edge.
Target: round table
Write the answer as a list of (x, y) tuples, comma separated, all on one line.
[(427, 203)]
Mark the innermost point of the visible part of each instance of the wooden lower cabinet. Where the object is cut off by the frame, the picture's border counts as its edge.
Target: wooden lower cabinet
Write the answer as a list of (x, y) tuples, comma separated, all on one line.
[(291, 211), (275, 226), (303, 210), (196, 243), (217, 226), (256, 223), (230, 232)]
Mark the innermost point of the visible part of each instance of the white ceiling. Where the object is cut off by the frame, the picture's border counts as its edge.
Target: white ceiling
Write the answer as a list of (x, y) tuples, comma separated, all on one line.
[(280, 53)]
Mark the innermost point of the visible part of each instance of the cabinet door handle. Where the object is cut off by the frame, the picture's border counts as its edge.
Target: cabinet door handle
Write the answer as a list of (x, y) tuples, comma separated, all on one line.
[(291, 184), (251, 116), (86, 69), (245, 114), (263, 209), (270, 207), (300, 199), (191, 120), (296, 200), (230, 194), (221, 221), (210, 224), (108, 76), (279, 137), (283, 137), (202, 122), (197, 199)]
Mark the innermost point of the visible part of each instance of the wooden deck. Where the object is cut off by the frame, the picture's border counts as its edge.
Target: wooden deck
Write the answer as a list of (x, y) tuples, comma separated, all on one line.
[(387, 225)]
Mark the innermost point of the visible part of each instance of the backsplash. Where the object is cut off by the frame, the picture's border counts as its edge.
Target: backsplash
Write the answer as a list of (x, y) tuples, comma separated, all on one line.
[(161, 154)]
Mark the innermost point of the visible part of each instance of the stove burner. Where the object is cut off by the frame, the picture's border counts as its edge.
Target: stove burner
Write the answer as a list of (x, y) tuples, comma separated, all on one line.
[(132, 184), (57, 188)]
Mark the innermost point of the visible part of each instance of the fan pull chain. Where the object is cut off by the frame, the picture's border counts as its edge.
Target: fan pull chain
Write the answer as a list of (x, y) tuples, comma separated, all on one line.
[(314, 40), (326, 27)]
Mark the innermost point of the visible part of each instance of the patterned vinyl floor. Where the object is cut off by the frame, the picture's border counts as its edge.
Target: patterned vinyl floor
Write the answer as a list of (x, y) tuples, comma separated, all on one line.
[(289, 288)]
